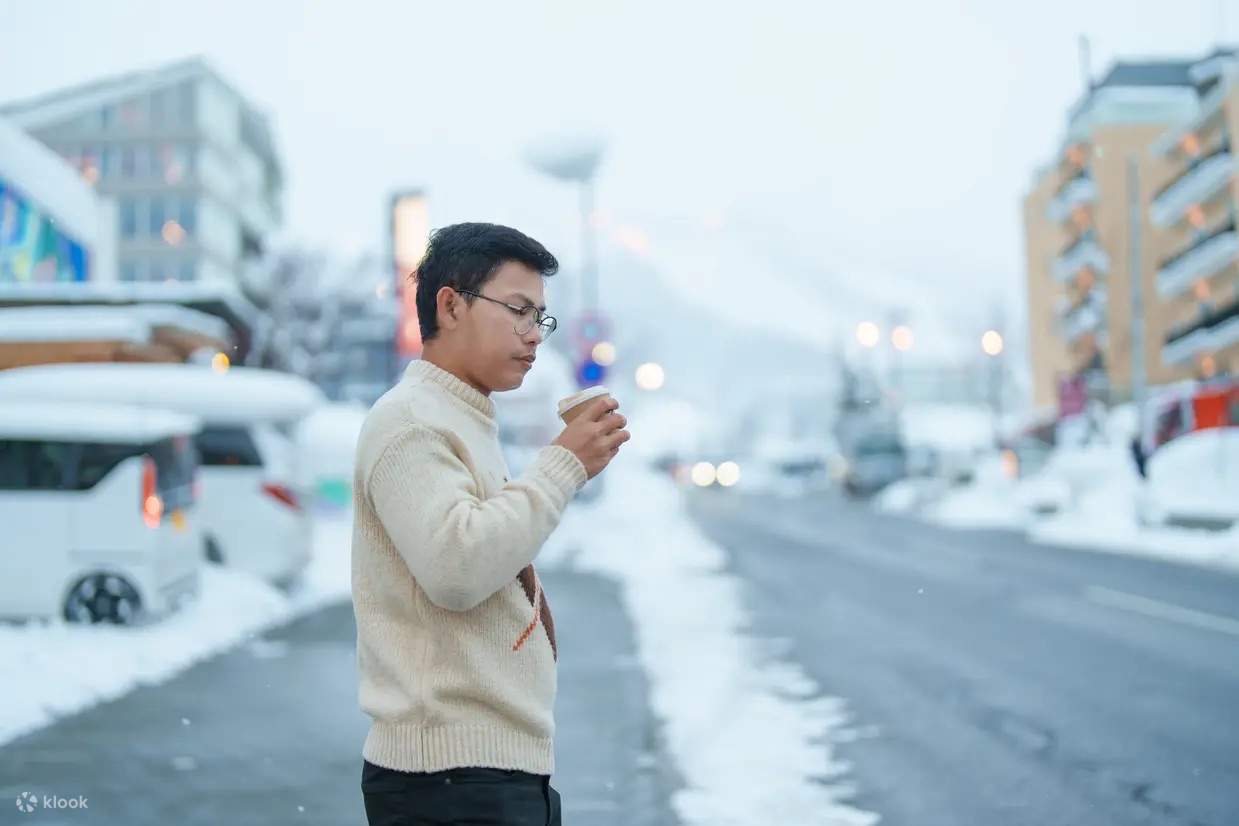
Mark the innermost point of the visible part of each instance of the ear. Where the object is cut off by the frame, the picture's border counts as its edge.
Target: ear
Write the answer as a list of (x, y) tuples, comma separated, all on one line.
[(449, 305)]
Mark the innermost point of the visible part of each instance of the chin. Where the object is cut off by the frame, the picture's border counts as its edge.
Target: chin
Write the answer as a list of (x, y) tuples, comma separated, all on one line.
[(510, 383)]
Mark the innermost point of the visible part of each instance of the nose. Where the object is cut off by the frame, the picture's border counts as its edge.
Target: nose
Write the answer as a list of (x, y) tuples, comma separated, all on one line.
[(534, 336)]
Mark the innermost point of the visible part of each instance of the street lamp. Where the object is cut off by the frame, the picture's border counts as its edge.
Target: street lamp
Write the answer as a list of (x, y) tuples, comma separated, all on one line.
[(868, 334), (901, 338), (575, 159), (650, 376), (991, 343)]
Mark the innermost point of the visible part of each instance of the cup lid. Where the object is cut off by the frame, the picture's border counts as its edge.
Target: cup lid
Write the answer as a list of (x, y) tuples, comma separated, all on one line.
[(581, 397)]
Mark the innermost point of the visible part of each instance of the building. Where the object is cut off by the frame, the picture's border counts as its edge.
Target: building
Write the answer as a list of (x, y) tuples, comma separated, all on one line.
[(1079, 242), (1192, 213), (53, 226), (190, 163)]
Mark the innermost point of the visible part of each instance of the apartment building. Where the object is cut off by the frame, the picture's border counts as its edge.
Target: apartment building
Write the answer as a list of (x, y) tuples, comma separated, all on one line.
[(190, 162), (1192, 213), (1081, 242)]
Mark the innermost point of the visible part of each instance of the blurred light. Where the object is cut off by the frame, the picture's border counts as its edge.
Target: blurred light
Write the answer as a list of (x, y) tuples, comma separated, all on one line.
[(728, 474), (173, 173), (91, 174), (1201, 289), (173, 233), (382, 290), (901, 337), (1010, 464), (991, 342), (1208, 367), (604, 353), (703, 474), (220, 362), (592, 372), (1190, 144), (868, 334), (632, 239), (650, 376)]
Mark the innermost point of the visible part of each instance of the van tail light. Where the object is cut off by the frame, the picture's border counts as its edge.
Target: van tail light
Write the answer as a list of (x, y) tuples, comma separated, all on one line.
[(283, 493), (152, 505)]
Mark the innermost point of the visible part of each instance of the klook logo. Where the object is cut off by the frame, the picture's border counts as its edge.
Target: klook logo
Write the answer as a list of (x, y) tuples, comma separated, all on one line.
[(27, 802)]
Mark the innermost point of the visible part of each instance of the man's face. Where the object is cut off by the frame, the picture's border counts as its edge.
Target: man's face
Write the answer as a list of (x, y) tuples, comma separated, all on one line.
[(498, 357)]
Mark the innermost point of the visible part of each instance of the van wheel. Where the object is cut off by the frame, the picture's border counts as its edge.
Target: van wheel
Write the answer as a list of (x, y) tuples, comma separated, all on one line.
[(103, 598), (213, 553)]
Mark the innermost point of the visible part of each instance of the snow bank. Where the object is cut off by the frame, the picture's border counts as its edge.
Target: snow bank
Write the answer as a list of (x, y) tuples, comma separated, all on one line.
[(751, 735), (53, 669)]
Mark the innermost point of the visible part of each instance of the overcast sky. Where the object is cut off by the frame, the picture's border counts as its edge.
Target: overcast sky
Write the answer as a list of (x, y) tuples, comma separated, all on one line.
[(875, 149)]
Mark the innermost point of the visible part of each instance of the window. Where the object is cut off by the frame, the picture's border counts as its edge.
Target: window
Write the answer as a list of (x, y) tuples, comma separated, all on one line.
[(175, 462), (34, 464), (96, 461), (157, 217), (227, 446), (128, 162), (129, 217), (186, 271), (188, 216), (129, 271), (107, 161)]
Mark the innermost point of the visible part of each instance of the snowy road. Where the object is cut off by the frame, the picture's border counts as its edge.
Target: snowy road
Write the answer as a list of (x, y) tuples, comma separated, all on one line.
[(997, 681)]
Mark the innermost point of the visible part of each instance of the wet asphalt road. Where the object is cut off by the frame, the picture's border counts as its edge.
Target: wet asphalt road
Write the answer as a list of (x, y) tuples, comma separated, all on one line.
[(1000, 682)]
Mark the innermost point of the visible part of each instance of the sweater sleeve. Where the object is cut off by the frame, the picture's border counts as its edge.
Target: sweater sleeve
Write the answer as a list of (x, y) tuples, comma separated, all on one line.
[(462, 549)]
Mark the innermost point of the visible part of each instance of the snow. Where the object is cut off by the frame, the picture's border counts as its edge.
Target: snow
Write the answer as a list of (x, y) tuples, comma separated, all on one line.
[(240, 395), (1197, 476), (91, 422), (53, 669), (21, 324), (751, 734), (132, 322), (1090, 497)]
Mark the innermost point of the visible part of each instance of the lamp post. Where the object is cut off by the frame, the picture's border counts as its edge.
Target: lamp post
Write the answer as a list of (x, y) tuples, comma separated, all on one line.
[(575, 160)]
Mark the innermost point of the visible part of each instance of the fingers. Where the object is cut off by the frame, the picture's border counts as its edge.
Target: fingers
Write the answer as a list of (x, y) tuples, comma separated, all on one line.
[(612, 422), (615, 439), (600, 407)]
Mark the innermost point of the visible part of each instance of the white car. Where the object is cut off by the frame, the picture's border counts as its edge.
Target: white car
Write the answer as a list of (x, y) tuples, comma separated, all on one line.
[(96, 503), (252, 486)]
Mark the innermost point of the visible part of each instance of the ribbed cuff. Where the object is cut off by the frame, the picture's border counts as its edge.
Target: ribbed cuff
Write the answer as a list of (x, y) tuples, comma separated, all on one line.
[(562, 467), (412, 748)]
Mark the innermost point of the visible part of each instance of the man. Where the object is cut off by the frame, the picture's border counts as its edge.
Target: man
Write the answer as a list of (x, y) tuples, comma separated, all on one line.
[(455, 640)]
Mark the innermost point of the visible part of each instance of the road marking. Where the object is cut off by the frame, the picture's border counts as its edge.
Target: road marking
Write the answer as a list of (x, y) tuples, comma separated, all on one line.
[(1162, 610)]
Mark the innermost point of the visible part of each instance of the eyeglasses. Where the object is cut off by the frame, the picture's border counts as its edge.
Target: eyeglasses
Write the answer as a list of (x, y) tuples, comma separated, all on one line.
[(527, 316)]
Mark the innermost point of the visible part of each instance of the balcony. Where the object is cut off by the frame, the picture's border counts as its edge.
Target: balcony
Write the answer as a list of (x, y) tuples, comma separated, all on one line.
[(1084, 252), (1203, 177), (1200, 259), (1073, 193), (1213, 330), (1085, 317)]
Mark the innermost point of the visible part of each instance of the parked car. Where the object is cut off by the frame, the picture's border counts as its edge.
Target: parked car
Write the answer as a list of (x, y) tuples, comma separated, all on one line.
[(252, 484), (97, 509)]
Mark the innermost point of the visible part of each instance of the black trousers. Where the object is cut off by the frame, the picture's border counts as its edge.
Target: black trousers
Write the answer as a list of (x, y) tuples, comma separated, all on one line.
[(458, 797)]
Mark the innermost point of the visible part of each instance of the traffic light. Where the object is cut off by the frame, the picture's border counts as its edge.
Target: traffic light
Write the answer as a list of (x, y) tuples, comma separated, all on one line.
[(590, 372)]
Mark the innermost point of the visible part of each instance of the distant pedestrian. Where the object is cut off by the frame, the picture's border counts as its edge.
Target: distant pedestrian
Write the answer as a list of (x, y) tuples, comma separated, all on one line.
[(456, 649)]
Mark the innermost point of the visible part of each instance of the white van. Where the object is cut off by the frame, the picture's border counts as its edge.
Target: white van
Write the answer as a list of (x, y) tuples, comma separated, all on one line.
[(252, 488), (96, 504)]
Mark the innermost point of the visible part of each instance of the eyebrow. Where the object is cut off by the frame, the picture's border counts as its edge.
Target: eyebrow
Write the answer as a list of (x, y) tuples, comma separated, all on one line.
[(527, 300)]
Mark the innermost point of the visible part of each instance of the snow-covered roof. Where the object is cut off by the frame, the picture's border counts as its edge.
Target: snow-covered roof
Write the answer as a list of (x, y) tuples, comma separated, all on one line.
[(240, 395), (90, 422), (70, 324)]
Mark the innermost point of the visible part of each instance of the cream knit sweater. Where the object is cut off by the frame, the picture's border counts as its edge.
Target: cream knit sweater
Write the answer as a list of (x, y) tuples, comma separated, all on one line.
[(449, 671)]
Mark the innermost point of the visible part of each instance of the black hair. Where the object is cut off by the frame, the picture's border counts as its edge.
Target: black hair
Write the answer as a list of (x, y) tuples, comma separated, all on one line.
[(465, 257)]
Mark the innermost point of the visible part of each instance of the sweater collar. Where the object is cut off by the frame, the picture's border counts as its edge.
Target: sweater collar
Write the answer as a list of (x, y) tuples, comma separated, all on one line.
[(453, 384)]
